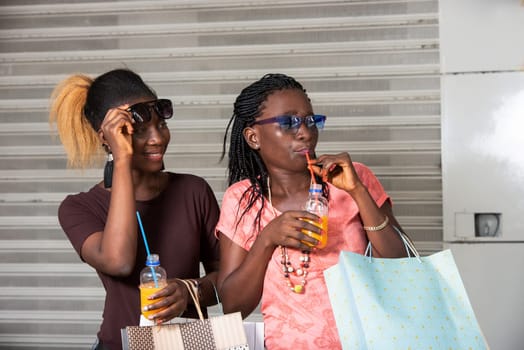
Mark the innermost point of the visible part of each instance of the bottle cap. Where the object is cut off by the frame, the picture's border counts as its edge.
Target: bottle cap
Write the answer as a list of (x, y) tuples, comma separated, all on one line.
[(153, 260), (315, 188)]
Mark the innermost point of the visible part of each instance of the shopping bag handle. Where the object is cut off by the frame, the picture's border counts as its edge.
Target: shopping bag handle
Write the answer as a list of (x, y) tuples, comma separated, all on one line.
[(408, 244), (194, 296), (410, 247)]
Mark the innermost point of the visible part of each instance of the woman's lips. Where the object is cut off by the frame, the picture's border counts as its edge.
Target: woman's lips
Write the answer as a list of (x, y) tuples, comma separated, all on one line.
[(154, 156)]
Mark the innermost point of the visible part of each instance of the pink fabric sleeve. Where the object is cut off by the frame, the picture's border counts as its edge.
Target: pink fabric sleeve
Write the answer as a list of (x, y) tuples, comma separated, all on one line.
[(375, 188), (229, 214)]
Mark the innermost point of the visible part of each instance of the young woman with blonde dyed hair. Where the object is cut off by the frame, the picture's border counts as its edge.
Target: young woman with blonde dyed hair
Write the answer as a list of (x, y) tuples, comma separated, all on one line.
[(119, 114)]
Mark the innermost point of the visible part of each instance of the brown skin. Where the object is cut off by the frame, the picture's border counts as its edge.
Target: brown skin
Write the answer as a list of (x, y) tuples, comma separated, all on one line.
[(283, 155), (138, 151)]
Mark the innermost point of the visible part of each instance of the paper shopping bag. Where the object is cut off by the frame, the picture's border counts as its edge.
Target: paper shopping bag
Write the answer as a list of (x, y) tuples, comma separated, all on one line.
[(407, 303), (215, 333), (221, 332)]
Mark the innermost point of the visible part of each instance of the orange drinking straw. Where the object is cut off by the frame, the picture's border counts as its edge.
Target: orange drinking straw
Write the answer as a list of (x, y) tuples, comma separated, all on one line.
[(310, 168)]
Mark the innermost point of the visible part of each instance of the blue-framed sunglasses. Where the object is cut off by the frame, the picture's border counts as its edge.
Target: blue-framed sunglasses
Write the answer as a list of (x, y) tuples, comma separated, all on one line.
[(292, 123), (141, 112)]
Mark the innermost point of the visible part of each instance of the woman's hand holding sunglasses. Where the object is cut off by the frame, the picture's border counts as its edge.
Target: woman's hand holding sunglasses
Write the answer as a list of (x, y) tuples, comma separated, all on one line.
[(117, 127), (117, 130)]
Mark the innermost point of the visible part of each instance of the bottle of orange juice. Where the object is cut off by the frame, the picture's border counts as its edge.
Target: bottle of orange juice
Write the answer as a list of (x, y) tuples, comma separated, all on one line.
[(153, 277), (318, 204)]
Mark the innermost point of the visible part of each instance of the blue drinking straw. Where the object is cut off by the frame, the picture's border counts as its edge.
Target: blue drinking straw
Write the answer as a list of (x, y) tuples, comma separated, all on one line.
[(147, 246)]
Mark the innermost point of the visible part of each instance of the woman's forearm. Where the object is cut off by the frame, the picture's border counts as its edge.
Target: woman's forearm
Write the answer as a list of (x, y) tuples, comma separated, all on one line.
[(119, 239), (241, 289), (386, 242)]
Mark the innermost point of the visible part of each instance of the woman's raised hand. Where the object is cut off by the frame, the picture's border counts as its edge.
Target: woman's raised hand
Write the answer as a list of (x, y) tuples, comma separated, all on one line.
[(117, 130), (338, 170)]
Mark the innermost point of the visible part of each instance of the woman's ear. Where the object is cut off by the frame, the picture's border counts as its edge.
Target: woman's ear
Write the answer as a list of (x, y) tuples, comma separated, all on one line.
[(251, 137), (103, 141), (101, 137)]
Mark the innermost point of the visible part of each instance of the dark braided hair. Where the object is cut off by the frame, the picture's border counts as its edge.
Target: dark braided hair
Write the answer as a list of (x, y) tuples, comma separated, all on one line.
[(244, 162)]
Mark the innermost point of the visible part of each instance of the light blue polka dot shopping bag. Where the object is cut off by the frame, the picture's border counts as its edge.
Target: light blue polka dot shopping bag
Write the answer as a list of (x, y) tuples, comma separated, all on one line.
[(408, 303)]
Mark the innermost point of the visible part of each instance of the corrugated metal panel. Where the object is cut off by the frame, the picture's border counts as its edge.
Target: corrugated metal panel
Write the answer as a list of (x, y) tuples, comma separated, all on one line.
[(371, 66)]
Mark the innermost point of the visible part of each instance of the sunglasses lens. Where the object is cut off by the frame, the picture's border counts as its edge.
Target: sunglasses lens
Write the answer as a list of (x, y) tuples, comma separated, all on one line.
[(319, 121), (286, 122), (140, 113), (310, 121), (164, 108), (291, 123), (295, 122)]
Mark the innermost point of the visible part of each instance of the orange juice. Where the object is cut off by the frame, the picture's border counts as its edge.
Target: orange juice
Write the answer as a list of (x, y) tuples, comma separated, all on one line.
[(322, 237), (146, 290)]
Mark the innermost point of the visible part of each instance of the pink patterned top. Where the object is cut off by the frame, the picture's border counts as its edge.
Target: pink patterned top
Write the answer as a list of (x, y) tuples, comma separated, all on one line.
[(301, 321)]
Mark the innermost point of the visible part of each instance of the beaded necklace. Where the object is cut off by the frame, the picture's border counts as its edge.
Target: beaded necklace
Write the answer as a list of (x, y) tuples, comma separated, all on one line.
[(287, 267)]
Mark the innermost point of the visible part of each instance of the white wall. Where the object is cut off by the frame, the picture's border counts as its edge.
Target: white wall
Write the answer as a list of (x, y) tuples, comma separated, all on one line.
[(481, 35), (482, 94)]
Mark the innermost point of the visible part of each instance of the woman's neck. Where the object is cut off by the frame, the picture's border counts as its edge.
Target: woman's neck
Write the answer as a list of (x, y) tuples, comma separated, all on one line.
[(289, 192), (149, 186)]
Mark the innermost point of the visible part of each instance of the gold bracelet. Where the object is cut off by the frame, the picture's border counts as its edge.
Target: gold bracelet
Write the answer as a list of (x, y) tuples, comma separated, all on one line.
[(379, 227)]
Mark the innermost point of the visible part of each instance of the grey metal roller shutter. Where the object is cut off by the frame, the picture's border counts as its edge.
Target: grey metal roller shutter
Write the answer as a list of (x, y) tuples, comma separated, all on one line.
[(371, 66)]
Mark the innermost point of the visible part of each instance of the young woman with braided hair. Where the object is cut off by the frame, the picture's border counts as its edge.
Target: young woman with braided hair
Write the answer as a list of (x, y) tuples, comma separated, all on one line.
[(117, 112), (262, 218)]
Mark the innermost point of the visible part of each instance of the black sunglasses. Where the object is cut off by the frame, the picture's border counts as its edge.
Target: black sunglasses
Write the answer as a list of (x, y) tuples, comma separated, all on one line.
[(141, 112), (292, 123)]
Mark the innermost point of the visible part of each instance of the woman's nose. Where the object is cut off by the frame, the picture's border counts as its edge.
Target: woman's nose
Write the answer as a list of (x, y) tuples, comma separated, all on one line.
[(304, 132), (155, 136)]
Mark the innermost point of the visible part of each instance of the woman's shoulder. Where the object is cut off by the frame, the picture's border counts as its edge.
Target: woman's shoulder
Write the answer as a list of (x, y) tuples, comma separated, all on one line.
[(187, 179), (94, 193), (95, 201), (361, 168), (188, 185), (371, 181), (364, 172), (238, 188)]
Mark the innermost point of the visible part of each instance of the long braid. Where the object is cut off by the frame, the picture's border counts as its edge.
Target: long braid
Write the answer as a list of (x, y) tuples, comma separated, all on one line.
[(244, 162)]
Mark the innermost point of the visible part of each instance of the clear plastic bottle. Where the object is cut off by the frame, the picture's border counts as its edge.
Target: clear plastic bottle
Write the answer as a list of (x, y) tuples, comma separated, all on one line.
[(318, 204), (153, 277)]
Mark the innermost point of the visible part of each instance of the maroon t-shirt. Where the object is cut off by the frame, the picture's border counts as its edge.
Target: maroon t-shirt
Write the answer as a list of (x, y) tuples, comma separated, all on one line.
[(179, 225)]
